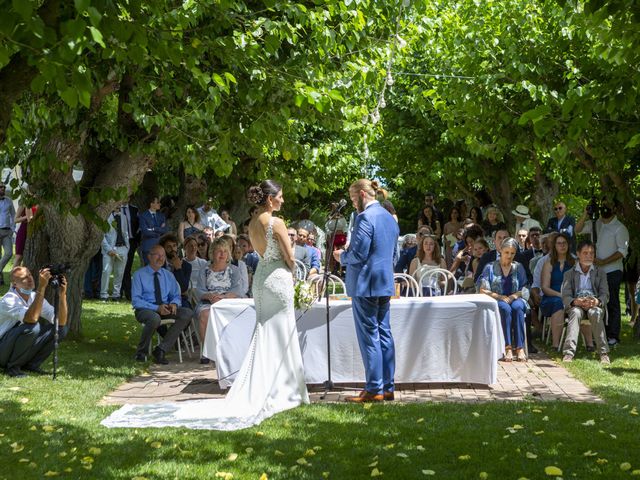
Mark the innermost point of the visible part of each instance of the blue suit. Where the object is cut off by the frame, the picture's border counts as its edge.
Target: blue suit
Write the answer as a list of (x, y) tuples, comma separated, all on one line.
[(151, 230), (369, 281)]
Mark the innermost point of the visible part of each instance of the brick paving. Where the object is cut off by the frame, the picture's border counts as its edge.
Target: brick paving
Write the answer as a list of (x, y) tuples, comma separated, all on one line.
[(538, 379)]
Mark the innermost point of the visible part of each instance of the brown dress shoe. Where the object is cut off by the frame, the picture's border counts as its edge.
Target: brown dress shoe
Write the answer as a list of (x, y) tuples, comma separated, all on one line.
[(365, 397), (389, 396)]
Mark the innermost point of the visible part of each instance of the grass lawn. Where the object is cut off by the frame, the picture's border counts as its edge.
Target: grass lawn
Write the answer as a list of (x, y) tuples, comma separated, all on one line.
[(51, 428)]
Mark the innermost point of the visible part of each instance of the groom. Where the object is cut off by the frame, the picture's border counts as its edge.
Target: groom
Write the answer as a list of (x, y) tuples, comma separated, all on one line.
[(369, 262)]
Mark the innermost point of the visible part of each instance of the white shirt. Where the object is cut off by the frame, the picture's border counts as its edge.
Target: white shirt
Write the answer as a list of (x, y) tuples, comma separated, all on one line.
[(585, 281), (527, 224), (198, 265), (537, 274), (13, 309), (212, 220), (612, 237)]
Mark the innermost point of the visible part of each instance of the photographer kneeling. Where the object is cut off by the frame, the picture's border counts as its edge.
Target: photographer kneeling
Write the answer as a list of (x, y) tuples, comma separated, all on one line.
[(25, 340)]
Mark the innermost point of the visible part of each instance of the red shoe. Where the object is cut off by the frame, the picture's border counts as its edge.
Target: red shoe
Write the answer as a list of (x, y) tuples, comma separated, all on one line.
[(365, 397)]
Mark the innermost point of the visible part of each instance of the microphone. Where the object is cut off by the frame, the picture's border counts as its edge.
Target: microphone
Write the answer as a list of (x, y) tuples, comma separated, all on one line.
[(337, 207)]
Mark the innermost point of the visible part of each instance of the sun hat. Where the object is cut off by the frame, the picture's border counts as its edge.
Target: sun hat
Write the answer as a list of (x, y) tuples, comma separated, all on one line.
[(521, 211)]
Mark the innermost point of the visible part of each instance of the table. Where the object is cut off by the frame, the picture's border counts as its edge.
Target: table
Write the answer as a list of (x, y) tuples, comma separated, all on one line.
[(438, 339)]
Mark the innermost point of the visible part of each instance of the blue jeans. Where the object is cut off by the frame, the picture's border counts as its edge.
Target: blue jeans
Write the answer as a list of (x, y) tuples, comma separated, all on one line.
[(512, 316), (373, 329)]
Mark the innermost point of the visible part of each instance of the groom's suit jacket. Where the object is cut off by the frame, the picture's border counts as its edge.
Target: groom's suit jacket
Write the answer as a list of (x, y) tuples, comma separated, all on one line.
[(369, 258)]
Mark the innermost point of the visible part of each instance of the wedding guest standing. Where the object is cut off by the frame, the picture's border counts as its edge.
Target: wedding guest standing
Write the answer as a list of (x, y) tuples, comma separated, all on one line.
[(7, 218)]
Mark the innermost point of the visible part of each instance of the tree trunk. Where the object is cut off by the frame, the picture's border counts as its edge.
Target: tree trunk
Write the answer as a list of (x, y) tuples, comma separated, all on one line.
[(56, 238), (544, 194)]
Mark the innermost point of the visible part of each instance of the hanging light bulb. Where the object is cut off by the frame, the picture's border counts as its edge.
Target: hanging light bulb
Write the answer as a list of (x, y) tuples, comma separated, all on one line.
[(382, 102), (390, 81)]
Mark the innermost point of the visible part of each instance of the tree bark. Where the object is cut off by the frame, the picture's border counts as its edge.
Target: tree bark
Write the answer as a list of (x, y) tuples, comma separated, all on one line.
[(545, 192)]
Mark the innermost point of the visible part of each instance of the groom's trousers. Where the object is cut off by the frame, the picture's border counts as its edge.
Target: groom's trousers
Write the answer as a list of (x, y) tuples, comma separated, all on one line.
[(373, 329)]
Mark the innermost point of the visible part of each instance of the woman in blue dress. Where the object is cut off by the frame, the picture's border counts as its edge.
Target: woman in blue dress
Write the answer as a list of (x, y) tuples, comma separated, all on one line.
[(190, 225)]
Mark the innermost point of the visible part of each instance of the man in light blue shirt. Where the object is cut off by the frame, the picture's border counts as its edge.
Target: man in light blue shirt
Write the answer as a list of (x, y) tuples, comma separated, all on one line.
[(7, 224), (155, 295)]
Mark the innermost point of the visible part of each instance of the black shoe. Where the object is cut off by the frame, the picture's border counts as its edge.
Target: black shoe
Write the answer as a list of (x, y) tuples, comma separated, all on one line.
[(532, 348), (36, 370), (140, 357), (159, 356), (16, 372), (204, 361)]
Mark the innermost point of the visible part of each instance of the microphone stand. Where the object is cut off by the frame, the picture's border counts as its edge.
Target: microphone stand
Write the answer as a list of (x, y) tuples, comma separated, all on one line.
[(328, 383)]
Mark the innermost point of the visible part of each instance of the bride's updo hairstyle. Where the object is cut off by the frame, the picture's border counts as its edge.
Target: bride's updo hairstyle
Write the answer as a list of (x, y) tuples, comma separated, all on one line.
[(258, 194), (370, 187)]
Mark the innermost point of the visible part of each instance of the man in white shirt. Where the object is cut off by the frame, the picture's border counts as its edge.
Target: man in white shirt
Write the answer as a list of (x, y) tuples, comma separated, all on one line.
[(523, 219), (210, 218), (25, 343), (612, 246)]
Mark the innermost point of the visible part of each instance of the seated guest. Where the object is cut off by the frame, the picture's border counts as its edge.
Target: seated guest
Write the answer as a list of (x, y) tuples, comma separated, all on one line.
[(535, 246), (155, 295), (475, 214), (408, 254), (493, 221), (480, 247), (198, 265), (115, 251), (226, 217), (180, 269), (153, 225), (249, 255), (190, 225), (314, 258), (562, 222), (553, 270), (26, 342), (523, 219), (221, 280), (210, 218), (450, 231), (505, 280), (300, 253), (493, 255), (585, 292), (428, 258), (429, 218), (203, 246), (463, 250), (236, 259), (521, 238), (311, 242)]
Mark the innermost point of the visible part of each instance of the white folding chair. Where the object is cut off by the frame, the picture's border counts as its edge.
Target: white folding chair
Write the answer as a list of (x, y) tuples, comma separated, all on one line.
[(301, 270), (333, 282), (182, 337), (438, 278), (412, 289)]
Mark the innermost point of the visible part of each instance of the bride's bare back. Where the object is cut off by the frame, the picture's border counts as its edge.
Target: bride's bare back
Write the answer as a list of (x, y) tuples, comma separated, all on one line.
[(258, 236)]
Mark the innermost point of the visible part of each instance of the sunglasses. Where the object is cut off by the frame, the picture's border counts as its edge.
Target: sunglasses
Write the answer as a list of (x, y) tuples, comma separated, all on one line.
[(292, 235), (558, 208)]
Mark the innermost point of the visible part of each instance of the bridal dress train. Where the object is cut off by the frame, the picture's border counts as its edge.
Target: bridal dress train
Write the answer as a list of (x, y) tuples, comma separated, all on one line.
[(271, 378)]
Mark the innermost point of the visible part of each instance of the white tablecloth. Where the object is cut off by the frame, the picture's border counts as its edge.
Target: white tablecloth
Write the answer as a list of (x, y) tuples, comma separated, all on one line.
[(438, 339)]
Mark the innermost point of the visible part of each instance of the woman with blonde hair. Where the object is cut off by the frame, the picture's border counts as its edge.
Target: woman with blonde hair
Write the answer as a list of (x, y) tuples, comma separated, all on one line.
[(494, 221)]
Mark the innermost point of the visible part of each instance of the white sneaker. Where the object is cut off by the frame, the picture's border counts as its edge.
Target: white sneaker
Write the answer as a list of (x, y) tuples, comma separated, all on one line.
[(612, 341), (604, 359), (567, 358)]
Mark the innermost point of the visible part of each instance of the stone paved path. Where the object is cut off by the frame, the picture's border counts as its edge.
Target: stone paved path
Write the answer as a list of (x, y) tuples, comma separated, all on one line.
[(539, 379)]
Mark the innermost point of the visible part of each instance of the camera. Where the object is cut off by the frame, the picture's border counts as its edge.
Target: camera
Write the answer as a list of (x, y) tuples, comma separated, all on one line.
[(592, 208), (57, 270)]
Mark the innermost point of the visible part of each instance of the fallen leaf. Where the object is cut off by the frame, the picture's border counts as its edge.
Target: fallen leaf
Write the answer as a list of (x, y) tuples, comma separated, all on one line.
[(232, 457), (633, 411), (428, 472), (635, 472), (376, 473), (402, 455), (475, 414), (51, 473), (155, 445), (139, 478), (539, 432), (95, 451), (264, 477), (309, 453), (302, 461), (260, 434), (464, 458), (625, 466), (389, 446), (373, 464), (23, 460), (24, 400), (531, 455), (325, 474), (589, 453), (536, 410), (86, 460), (483, 475), (278, 453), (613, 436), (420, 447), (16, 447), (589, 423), (33, 428), (420, 420), (552, 471), (602, 461), (545, 418)]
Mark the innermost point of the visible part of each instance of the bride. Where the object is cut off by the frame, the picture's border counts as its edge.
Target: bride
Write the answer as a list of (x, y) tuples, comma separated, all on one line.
[(271, 378)]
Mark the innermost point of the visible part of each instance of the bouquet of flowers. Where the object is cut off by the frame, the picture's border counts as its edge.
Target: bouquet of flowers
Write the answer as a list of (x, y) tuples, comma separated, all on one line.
[(303, 295)]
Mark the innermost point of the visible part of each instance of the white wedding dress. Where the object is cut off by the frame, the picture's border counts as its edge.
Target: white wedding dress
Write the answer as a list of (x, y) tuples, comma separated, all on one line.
[(271, 378)]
